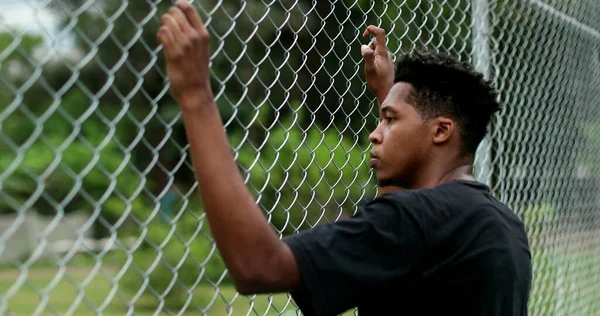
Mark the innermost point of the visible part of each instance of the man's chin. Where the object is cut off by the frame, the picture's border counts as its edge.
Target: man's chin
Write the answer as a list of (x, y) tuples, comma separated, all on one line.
[(384, 182)]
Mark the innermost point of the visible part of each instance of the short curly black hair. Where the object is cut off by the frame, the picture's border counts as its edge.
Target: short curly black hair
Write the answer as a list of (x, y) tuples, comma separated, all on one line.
[(443, 85)]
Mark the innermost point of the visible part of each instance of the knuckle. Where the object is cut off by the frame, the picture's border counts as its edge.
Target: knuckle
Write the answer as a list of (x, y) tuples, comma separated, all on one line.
[(194, 37), (186, 44), (164, 18), (185, 6), (202, 36), (177, 55), (160, 35)]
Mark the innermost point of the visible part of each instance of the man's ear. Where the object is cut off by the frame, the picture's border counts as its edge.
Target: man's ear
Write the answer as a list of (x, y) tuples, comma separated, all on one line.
[(443, 127)]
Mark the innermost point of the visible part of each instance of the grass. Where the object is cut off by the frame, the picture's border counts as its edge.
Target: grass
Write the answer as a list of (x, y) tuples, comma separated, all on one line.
[(565, 284), (562, 283), (46, 290), (82, 290)]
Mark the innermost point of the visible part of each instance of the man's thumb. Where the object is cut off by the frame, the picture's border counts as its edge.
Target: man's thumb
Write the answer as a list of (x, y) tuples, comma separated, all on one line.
[(366, 52)]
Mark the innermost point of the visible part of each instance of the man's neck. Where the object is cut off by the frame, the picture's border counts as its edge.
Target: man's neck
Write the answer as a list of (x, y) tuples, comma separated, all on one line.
[(461, 170)]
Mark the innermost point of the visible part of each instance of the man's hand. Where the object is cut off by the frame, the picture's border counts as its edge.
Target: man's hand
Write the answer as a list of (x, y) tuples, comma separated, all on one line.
[(379, 65), (186, 47)]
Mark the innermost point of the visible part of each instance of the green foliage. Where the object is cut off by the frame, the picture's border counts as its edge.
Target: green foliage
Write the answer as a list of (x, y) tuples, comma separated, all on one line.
[(587, 156), (16, 53), (538, 214), (302, 177), (76, 164)]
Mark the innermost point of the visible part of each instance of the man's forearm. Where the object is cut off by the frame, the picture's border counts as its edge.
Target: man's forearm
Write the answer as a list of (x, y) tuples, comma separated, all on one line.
[(257, 260), (243, 236)]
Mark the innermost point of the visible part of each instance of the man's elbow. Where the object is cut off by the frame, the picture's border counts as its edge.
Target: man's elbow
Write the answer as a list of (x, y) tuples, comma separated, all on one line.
[(251, 282), (245, 289), (249, 285), (276, 275)]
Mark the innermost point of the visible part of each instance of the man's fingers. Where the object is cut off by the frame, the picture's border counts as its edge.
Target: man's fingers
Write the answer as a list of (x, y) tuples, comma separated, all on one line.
[(379, 34), (191, 14), (181, 20), (166, 39), (171, 24)]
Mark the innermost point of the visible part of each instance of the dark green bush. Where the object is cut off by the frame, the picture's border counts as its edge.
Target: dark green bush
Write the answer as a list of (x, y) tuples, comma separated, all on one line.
[(304, 177)]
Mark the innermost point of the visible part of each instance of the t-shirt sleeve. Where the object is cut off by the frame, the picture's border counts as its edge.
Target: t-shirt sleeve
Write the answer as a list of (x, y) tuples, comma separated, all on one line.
[(340, 263)]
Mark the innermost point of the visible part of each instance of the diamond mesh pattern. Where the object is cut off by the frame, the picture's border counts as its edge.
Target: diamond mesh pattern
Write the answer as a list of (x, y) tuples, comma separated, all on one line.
[(98, 204)]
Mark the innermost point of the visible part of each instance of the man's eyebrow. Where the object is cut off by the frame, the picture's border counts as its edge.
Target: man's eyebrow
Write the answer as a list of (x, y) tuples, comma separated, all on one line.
[(388, 108)]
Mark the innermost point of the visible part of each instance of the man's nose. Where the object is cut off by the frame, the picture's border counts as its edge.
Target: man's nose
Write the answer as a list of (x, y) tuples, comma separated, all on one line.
[(375, 137)]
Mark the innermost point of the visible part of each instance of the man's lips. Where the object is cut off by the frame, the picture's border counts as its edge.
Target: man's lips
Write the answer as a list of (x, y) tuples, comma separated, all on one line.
[(374, 160)]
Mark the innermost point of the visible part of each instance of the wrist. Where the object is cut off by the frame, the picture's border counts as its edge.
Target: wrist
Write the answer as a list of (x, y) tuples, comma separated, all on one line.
[(196, 100)]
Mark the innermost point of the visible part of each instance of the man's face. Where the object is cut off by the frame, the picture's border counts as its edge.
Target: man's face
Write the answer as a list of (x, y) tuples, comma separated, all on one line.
[(401, 141)]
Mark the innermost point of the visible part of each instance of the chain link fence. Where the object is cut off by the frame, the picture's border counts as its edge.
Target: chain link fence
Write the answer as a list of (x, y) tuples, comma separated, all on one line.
[(98, 206)]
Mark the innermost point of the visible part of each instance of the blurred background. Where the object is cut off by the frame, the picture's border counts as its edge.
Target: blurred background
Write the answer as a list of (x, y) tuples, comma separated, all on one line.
[(99, 211)]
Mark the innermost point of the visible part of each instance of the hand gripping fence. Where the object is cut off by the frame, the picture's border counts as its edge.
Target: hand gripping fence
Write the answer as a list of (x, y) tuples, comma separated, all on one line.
[(99, 211)]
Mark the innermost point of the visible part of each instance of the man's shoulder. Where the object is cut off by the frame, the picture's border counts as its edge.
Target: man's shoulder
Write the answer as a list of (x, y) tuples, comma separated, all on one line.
[(452, 202), (459, 193)]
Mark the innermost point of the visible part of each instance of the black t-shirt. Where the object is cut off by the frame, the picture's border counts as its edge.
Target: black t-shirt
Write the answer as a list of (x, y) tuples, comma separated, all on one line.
[(448, 250)]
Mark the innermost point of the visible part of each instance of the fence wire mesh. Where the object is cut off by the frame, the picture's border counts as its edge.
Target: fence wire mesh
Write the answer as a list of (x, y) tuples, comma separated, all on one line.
[(98, 201)]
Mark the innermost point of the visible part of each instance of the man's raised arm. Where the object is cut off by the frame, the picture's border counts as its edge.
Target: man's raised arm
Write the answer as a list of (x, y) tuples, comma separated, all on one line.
[(257, 260)]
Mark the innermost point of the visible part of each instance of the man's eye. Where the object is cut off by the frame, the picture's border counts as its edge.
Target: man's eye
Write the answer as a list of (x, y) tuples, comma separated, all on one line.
[(387, 120)]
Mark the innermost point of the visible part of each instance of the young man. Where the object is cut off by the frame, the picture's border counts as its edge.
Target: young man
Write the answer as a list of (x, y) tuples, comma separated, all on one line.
[(434, 242)]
